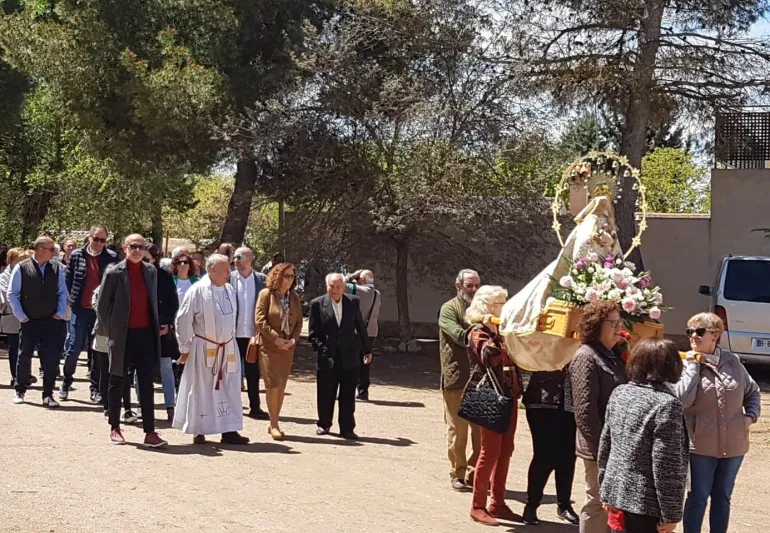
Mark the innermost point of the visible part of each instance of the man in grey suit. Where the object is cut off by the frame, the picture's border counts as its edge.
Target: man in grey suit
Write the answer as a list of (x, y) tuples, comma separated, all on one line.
[(361, 283), (128, 315)]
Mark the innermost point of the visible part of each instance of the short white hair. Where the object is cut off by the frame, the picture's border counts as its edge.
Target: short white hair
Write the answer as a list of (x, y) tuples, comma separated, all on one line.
[(213, 259), (486, 297), (466, 272), (330, 277), (178, 250), (367, 276)]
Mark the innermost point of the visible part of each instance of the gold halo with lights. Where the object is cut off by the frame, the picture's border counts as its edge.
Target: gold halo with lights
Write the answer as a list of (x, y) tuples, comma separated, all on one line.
[(602, 173)]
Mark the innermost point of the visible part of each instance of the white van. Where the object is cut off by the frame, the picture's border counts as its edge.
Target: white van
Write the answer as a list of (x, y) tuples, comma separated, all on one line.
[(741, 297)]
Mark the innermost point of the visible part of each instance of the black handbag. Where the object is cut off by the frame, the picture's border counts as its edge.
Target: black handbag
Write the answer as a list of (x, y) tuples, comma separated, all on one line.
[(485, 403)]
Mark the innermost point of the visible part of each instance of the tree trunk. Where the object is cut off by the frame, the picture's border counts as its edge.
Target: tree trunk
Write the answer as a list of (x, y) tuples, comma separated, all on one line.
[(157, 225), (633, 141), (402, 288), (239, 208)]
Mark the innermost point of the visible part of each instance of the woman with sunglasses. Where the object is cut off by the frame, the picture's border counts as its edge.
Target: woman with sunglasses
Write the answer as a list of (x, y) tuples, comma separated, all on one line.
[(721, 401), (185, 272), (595, 371), (279, 324)]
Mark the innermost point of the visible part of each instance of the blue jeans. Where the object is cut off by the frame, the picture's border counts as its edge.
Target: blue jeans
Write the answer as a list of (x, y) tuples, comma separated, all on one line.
[(81, 326), (167, 379), (715, 478)]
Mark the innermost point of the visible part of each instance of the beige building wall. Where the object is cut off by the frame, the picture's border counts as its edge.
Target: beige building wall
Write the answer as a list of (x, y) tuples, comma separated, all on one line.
[(680, 251)]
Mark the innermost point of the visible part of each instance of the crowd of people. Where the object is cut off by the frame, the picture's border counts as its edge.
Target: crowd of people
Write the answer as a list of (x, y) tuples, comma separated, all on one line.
[(209, 328), (642, 422)]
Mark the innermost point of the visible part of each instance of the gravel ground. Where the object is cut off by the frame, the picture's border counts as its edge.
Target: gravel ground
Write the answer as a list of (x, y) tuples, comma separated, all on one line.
[(59, 474)]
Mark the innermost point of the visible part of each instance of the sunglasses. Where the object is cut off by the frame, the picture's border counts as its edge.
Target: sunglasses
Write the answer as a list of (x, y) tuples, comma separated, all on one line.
[(614, 323), (183, 262), (99, 240), (135, 247), (700, 332), (239, 257)]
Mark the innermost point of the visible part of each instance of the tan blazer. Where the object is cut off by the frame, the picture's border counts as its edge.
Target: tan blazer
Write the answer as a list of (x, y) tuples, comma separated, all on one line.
[(268, 317)]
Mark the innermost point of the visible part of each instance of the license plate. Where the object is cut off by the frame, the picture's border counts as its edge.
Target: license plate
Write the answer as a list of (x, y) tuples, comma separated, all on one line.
[(760, 345)]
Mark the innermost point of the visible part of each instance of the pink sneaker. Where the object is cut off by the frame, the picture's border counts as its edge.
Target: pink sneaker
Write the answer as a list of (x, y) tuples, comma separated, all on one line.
[(116, 437), (153, 440)]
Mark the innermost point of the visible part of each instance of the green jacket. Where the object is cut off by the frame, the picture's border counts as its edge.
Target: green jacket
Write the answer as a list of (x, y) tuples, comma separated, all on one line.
[(455, 365)]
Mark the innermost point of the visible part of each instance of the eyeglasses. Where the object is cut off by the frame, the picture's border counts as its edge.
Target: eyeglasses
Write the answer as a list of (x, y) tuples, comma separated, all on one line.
[(614, 323), (183, 262), (289, 276), (46, 248), (699, 332), (135, 247), (239, 257), (99, 240)]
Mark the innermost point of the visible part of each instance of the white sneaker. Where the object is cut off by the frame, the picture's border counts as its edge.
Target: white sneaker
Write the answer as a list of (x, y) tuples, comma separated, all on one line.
[(18, 398), (130, 417), (48, 401)]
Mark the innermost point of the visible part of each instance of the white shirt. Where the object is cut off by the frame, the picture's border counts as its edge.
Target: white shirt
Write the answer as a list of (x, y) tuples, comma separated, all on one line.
[(246, 293), (182, 285), (337, 306)]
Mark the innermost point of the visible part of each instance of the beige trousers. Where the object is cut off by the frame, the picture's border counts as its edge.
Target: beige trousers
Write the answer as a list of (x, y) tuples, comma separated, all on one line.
[(593, 519), (457, 428)]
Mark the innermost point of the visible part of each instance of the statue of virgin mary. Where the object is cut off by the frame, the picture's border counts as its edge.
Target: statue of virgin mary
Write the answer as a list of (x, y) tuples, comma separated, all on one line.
[(595, 232)]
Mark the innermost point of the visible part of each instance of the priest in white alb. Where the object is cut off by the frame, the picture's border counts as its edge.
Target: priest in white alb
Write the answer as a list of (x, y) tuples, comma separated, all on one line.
[(209, 400)]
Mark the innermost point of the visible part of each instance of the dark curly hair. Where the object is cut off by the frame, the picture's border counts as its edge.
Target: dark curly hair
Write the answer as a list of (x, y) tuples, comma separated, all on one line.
[(594, 314), (655, 360), (276, 273), (194, 271)]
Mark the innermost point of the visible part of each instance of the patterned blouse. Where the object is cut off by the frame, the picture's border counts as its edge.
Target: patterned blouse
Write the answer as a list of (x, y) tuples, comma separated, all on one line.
[(488, 348)]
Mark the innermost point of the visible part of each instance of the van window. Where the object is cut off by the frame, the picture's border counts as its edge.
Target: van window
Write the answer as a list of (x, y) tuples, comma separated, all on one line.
[(748, 281)]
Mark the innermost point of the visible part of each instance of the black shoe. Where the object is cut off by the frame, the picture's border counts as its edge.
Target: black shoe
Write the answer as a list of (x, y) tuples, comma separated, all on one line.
[(259, 414), (567, 513), (233, 437), (322, 431), (530, 516), (460, 486), (362, 396), (96, 397), (32, 379), (199, 439), (349, 435), (170, 414)]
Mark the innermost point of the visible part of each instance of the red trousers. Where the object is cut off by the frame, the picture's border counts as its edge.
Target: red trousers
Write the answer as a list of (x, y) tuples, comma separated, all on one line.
[(492, 466)]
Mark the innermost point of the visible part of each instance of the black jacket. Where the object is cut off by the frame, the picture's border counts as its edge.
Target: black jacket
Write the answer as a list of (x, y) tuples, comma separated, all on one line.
[(337, 344), (548, 390), (168, 299), (77, 269)]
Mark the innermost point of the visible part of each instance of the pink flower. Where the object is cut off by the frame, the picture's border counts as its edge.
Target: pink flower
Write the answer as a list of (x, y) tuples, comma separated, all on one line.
[(629, 305), (645, 282), (592, 295), (593, 257), (566, 282), (581, 264), (655, 313), (622, 284), (659, 298)]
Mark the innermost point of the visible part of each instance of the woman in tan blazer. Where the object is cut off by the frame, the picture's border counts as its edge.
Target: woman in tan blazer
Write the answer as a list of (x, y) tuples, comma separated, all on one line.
[(279, 324)]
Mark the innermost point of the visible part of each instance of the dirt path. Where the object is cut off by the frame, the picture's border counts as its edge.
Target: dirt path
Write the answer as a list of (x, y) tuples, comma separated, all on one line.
[(59, 474)]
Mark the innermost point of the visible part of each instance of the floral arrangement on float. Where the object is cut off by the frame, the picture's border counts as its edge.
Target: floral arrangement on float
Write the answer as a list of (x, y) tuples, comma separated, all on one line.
[(593, 278)]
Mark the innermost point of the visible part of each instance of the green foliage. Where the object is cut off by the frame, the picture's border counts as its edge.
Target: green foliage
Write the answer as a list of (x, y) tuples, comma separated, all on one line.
[(674, 183)]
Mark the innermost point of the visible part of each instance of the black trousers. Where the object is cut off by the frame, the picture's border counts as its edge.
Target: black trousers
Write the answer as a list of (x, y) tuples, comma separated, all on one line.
[(328, 383), (101, 369), (639, 523), (13, 353), (363, 371), (251, 370), (140, 353), (46, 334), (553, 439)]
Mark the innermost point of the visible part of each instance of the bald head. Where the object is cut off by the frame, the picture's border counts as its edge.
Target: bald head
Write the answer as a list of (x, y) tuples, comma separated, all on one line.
[(243, 258), (218, 269), (134, 247)]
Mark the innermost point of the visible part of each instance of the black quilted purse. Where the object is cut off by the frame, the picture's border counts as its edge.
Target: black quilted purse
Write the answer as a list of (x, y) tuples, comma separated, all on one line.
[(485, 402)]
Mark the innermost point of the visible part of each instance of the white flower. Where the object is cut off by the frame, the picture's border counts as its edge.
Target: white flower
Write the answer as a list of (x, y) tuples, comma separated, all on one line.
[(614, 295), (630, 265), (566, 282), (618, 261), (593, 257), (574, 271), (591, 270), (591, 294), (655, 313), (631, 290), (658, 298)]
